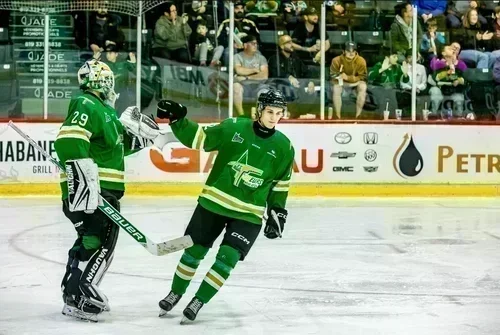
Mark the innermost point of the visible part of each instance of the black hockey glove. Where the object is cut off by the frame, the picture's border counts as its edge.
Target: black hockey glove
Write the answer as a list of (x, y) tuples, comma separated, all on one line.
[(275, 222), (168, 109)]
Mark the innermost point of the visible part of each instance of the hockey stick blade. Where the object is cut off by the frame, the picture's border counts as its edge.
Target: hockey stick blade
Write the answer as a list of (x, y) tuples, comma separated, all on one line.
[(174, 245), (158, 249)]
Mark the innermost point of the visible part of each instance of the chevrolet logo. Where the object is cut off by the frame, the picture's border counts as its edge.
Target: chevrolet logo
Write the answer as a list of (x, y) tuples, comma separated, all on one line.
[(343, 154)]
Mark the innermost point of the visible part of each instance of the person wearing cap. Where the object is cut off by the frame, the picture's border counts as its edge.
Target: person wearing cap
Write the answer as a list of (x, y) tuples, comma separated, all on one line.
[(286, 68), (242, 27), (348, 71), (251, 71), (307, 36), (121, 68)]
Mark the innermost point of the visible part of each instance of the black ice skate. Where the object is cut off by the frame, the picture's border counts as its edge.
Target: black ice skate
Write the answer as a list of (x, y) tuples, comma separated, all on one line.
[(169, 302), (191, 310), (82, 310), (87, 305)]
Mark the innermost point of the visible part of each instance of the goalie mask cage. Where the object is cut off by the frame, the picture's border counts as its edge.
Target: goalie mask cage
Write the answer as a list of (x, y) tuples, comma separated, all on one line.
[(131, 7)]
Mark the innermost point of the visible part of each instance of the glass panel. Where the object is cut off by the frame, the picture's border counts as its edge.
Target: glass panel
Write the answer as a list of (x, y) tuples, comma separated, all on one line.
[(190, 66), (381, 38), (22, 68), (95, 34), (269, 59)]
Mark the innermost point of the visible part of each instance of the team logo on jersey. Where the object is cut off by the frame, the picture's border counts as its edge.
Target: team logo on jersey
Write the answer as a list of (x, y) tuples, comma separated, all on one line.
[(108, 118), (246, 173), (237, 138)]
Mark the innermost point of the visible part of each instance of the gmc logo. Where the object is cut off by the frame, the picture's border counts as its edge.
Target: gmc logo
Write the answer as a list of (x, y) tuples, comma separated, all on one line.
[(343, 169)]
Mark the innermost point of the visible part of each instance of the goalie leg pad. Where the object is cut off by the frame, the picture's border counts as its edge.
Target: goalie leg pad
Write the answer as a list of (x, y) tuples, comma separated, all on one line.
[(90, 257), (83, 185)]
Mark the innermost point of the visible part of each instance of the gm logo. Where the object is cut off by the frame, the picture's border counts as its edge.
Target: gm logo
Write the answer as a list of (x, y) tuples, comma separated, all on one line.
[(370, 138)]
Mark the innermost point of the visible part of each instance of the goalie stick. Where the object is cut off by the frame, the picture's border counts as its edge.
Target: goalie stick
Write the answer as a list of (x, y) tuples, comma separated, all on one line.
[(158, 249)]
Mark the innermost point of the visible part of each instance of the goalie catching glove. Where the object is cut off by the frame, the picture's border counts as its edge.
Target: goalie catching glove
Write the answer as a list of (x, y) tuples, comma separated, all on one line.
[(139, 124), (275, 223), (82, 176)]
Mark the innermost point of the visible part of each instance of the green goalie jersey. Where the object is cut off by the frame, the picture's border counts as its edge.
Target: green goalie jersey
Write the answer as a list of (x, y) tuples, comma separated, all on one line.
[(92, 130), (249, 172)]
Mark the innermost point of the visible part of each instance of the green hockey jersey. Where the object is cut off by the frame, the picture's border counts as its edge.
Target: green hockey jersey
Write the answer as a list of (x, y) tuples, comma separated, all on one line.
[(249, 172), (92, 130)]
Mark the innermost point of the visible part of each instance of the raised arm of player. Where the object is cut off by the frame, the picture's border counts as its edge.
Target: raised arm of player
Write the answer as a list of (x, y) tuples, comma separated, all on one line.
[(190, 133)]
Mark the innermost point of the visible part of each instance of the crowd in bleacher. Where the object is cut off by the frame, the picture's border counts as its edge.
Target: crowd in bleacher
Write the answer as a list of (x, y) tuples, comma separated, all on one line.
[(368, 52)]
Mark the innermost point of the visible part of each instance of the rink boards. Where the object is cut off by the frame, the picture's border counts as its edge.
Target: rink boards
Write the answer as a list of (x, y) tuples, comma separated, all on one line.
[(330, 160)]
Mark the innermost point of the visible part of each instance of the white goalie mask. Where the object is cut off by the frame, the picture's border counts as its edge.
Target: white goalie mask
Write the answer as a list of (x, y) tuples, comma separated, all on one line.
[(97, 76)]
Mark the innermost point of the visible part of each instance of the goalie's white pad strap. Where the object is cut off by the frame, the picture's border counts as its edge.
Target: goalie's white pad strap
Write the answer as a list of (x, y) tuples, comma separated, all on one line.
[(139, 124), (83, 185)]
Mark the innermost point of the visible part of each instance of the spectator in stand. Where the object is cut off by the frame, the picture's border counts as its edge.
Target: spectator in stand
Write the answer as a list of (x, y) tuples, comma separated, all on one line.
[(474, 40), (455, 12), (385, 78), (242, 28), (404, 96), (402, 30), (433, 41), (196, 13), (348, 71), (496, 77), (262, 8), (495, 41), (104, 31), (427, 9), (287, 69), (203, 47), (447, 79), (251, 71), (171, 35), (292, 11), (122, 68), (482, 11), (307, 36), (340, 8)]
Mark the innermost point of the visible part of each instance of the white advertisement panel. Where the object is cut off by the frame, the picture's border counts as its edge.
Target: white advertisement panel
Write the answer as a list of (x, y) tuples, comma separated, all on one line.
[(325, 153)]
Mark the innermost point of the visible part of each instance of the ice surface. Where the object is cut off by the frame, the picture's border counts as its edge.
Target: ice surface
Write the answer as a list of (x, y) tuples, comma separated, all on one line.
[(355, 266)]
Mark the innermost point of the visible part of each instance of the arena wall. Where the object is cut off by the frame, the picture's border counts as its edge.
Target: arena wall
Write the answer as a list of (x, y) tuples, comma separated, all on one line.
[(331, 160)]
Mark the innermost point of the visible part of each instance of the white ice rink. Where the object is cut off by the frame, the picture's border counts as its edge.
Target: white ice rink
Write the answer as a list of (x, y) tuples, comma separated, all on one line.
[(358, 266)]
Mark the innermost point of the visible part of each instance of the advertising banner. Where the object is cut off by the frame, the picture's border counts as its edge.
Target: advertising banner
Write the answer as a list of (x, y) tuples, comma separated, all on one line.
[(324, 153)]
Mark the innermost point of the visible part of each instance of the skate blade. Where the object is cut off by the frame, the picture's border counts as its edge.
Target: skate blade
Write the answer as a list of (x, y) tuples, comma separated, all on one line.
[(185, 321), (78, 314), (162, 313)]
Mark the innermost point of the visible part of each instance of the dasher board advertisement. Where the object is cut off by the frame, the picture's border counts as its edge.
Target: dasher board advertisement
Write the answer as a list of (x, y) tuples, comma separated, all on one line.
[(324, 153)]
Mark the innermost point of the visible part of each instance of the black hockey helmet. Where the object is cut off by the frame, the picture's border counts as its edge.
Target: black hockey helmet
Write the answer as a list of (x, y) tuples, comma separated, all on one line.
[(273, 98)]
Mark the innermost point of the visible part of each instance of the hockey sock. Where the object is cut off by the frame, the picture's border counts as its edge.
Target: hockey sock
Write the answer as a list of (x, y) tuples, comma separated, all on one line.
[(226, 260), (186, 269)]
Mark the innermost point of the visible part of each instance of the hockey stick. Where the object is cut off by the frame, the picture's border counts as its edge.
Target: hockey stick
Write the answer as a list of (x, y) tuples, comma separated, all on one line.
[(158, 249)]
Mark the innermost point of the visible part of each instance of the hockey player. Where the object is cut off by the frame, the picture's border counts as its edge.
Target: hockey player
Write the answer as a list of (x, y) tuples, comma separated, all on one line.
[(92, 143), (250, 176)]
